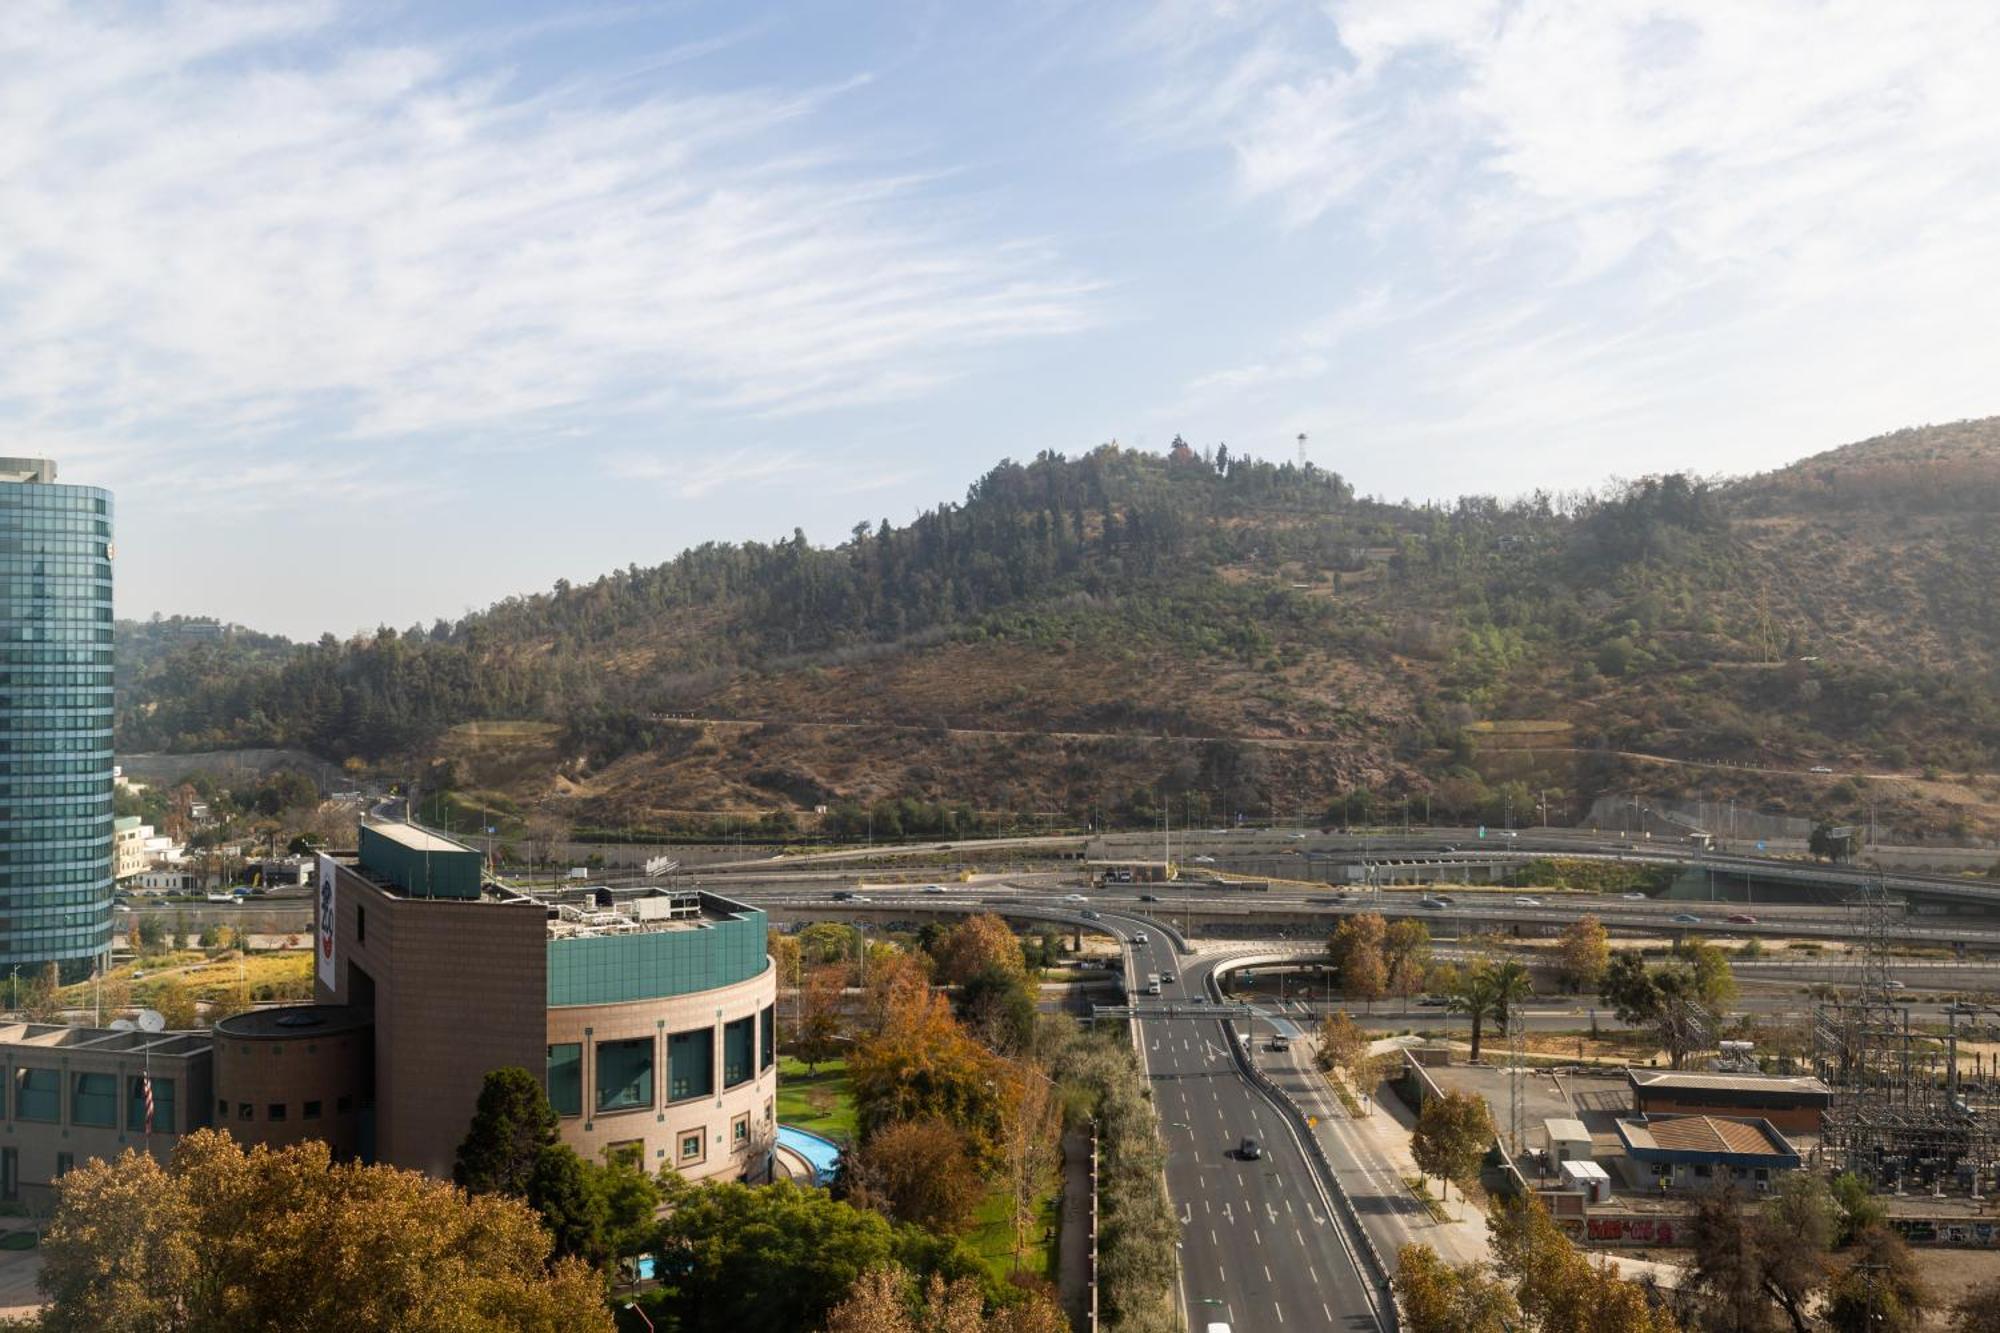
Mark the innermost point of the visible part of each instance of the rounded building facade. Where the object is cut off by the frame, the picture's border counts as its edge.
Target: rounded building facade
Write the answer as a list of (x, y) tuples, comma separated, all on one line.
[(55, 718), (301, 1072)]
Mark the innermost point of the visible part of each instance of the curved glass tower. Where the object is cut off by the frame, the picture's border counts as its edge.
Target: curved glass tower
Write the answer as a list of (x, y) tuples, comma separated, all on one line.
[(55, 719)]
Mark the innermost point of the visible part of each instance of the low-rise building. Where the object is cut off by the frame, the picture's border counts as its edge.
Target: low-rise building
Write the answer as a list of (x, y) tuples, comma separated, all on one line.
[(74, 1093), (650, 1015), (128, 847), (1795, 1104), (1696, 1151)]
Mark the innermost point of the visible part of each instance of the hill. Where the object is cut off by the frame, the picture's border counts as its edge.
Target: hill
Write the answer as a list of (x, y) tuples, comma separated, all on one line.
[(1084, 639)]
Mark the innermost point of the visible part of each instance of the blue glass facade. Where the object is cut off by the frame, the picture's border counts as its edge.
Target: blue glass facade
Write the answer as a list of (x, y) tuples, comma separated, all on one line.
[(55, 722)]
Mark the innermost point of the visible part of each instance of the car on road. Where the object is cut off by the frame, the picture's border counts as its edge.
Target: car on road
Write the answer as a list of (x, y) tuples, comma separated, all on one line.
[(1092, 914), (843, 895), (1075, 898), (1250, 1150), (1634, 897), (1297, 836), (1433, 1001), (1140, 937), (1687, 918), (1894, 984), (1169, 978), (933, 888), (1435, 904), (1149, 897), (1821, 768), (1525, 901), (1742, 919), (222, 897), (1204, 860), (1449, 847), (1505, 833)]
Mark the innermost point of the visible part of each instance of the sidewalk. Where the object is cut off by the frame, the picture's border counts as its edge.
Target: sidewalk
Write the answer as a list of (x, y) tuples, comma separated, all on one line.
[(1073, 1257)]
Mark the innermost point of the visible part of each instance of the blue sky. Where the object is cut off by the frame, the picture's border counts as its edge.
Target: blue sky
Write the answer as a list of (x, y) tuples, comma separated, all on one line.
[(375, 312)]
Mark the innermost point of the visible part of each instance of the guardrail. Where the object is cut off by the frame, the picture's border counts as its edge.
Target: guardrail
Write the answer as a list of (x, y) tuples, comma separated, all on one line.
[(1382, 1295), (1093, 1226)]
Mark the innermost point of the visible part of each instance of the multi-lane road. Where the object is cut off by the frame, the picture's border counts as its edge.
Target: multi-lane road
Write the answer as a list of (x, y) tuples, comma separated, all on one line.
[(1262, 1244)]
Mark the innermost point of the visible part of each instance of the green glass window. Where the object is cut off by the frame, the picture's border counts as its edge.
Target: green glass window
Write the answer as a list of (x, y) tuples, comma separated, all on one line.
[(37, 1095), (163, 1105), (738, 1053), (566, 1078), (691, 1064), (93, 1100), (624, 1074), (767, 1037)]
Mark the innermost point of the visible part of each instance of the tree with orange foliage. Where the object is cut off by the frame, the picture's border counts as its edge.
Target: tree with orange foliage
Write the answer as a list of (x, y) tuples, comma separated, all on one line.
[(884, 1300), (916, 1171), (977, 945), (923, 1065)]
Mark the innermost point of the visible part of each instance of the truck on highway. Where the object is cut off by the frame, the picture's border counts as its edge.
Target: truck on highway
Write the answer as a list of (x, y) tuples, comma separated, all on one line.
[(1152, 983)]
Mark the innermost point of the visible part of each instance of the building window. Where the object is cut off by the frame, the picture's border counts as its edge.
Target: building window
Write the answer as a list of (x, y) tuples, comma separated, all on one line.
[(310, 1111), (739, 1131), (343, 1104), (93, 1100), (767, 1037), (243, 1111), (221, 1108), (163, 1105), (770, 1110), (691, 1064), (738, 1055), (631, 1152), (566, 1078), (361, 924), (625, 1074), (274, 1111), (37, 1094), (694, 1146), (10, 1174), (65, 1163)]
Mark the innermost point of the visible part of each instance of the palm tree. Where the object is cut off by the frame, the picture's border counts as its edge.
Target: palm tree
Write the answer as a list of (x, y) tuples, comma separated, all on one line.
[(1485, 991)]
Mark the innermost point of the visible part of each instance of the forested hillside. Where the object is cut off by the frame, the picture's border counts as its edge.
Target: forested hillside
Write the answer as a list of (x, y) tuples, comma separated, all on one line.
[(1085, 638)]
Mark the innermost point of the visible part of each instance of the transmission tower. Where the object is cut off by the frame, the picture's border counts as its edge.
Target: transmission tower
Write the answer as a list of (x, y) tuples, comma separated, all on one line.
[(1302, 448), (1517, 1072)]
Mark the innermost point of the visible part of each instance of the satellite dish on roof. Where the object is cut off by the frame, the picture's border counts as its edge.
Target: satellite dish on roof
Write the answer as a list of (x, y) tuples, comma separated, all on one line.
[(123, 1025), (152, 1020)]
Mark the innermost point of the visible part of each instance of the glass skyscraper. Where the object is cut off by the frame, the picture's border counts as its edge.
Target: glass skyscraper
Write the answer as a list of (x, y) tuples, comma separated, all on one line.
[(55, 719)]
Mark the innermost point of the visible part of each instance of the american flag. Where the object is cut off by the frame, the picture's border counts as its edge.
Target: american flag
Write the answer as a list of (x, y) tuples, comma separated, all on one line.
[(146, 1091)]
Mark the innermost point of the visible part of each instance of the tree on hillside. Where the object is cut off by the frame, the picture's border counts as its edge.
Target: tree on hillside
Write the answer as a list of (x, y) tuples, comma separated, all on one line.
[(1453, 1132), (916, 1171), (1438, 1297), (227, 1241), (1583, 951), (511, 1125), (1488, 990)]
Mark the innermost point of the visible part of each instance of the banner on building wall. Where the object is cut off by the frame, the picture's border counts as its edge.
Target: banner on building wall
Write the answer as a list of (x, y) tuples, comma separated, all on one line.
[(325, 921)]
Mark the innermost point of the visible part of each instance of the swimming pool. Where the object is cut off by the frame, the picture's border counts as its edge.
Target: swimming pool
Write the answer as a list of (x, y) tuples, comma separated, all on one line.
[(823, 1153)]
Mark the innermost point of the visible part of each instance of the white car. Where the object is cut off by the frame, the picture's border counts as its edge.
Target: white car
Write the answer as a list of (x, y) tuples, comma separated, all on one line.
[(1821, 768), (1525, 901), (933, 888), (1075, 898), (1635, 897), (1205, 860)]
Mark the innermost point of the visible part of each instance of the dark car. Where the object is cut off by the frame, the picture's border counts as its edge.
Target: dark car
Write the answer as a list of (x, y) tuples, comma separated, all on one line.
[(1742, 919), (1250, 1150), (1149, 897), (842, 896)]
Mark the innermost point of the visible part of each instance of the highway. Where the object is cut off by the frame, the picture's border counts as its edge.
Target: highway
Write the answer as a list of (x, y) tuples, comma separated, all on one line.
[(1261, 1246)]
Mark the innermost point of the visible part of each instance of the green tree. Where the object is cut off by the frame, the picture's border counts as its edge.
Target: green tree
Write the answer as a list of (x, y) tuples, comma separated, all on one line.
[(511, 1125), (1880, 1290), (1453, 1132), (1584, 952), (1486, 990), (778, 1258)]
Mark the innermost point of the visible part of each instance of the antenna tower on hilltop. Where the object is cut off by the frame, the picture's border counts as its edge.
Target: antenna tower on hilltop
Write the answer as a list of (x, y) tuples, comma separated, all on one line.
[(1302, 448)]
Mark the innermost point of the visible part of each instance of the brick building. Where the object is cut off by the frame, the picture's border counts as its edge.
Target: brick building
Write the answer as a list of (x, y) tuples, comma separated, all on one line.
[(1796, 1105)]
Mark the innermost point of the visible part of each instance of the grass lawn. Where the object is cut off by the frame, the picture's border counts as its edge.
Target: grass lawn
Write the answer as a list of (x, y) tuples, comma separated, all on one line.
[(19, 1240), (823, 1105), (992, 1234)]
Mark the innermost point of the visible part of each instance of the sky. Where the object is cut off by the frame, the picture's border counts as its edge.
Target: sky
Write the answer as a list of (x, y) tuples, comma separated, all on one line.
[(376, 313)]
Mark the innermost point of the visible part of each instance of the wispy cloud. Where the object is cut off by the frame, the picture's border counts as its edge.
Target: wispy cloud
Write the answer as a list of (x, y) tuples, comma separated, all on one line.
[(244, 223), (1648, 216)]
